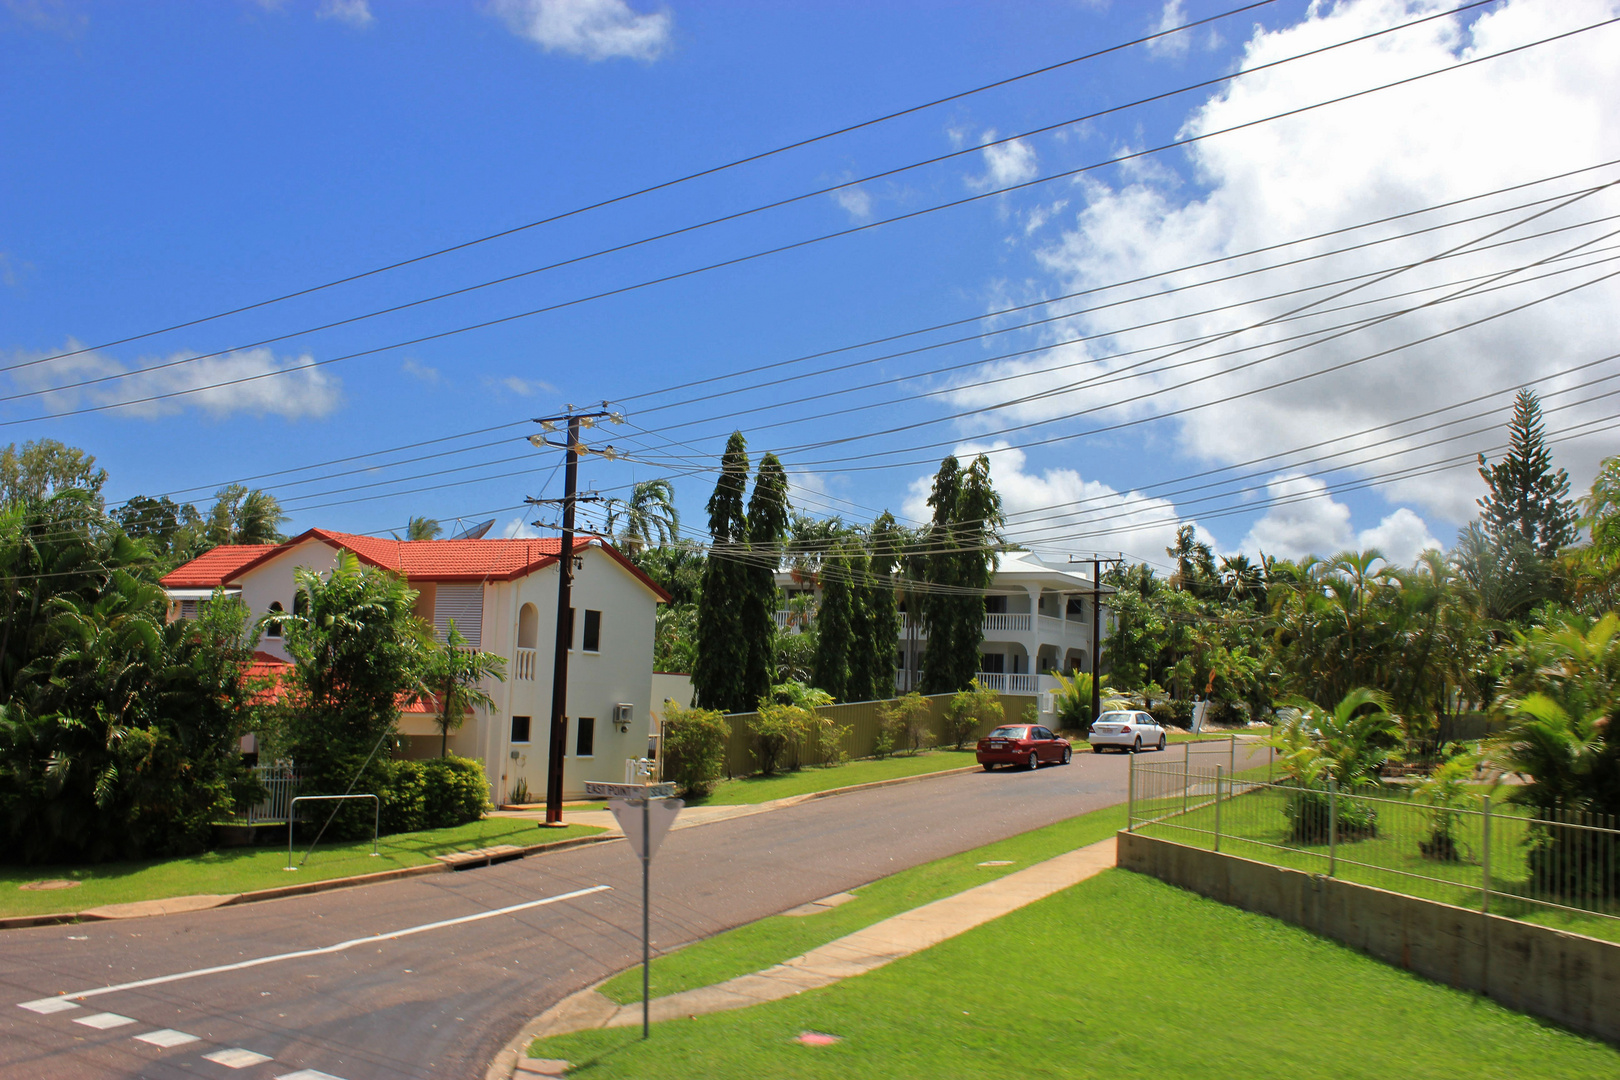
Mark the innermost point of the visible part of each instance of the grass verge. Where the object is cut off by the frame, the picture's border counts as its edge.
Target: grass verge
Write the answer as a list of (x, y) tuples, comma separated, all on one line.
[(237, 870), (747, 791), (1045, 992), (769, 941)]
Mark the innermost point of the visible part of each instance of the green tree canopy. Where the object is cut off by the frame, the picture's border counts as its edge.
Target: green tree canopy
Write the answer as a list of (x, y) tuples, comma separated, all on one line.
[(719, 677)]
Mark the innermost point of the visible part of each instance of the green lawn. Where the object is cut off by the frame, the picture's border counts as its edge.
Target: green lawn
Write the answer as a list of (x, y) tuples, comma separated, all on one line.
[(758, 789), (758, 945), (1119, 976), (235, 870), (1253, 826)]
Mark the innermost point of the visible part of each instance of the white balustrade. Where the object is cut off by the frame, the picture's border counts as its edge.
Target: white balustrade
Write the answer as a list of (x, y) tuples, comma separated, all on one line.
[(523, 664)]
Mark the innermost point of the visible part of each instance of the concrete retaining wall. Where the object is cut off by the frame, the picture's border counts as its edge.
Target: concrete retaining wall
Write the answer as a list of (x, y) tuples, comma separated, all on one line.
[(1567, 978)]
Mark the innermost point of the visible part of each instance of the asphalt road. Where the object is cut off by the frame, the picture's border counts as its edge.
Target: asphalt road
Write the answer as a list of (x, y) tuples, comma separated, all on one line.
[(359, 1000)]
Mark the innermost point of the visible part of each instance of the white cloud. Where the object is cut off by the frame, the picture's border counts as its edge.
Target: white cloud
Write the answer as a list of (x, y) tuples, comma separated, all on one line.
[(521, 387), (519, 529), (1507, 121), (354, 12), (12, 270), (293, 387), (1057, 512), (856, 202), (1305, 520), (1005, 164), (594, 29), (1176, 45), (419, 370)]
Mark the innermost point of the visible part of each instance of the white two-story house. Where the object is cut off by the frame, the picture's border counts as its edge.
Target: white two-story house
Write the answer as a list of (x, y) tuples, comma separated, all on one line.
[(502, 595), (1037, 619)]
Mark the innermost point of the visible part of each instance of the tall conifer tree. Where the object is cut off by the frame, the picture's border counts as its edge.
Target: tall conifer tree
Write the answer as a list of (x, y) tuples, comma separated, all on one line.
[(1527, 495), (882, 616), (768, 516), (718, 677), (835, 623), (961, 562)]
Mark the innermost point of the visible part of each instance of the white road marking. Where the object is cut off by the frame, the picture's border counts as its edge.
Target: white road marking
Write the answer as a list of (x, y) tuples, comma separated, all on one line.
[(80, 995), (308, 1074), (103, 1021), (46, 1006), (167, 1037), (236, 1058)]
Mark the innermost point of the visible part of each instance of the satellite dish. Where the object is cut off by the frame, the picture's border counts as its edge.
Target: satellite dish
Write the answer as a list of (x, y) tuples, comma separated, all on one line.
[(476, 532)]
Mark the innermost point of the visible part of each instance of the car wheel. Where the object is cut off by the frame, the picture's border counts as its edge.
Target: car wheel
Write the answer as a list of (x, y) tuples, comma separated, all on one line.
[(1034, 761), (1068, 754), (1161, 743), (989, 766), (1137, 749)]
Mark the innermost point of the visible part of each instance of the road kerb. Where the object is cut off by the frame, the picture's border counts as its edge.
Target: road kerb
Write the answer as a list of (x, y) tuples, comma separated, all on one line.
[(853, 954)]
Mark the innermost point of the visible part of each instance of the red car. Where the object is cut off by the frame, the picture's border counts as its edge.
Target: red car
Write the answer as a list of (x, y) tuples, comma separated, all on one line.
[(1028, 745)]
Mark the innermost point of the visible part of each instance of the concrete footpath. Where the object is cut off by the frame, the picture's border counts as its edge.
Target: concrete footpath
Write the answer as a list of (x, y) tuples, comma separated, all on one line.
[(854, 954)]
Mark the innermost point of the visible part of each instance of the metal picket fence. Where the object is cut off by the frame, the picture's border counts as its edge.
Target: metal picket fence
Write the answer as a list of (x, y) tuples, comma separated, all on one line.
[(280, 783), (1475, 852)]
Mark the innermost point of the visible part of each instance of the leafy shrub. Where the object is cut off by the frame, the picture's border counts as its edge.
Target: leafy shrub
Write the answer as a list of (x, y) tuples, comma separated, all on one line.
[(520, 792), (883, 742), (694, 748), (905, 723), (1310, 814), (1445, 793), (970, 708), (439, 793), (1172, 714), (779, 727)]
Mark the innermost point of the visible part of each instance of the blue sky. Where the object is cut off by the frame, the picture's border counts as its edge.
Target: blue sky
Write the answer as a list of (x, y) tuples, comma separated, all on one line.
[(166, 162)]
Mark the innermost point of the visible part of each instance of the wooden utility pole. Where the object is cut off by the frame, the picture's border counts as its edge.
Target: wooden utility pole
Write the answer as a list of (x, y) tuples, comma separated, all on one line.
[(1096, 628), (558, 741)]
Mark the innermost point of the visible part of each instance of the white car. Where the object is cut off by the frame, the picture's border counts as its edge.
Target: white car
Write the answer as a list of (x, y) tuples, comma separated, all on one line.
[(1127, 731)]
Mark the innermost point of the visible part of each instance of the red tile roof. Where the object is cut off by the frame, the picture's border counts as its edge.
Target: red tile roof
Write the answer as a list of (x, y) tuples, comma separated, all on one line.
[(216, 566), (270, 669), (417, 560)]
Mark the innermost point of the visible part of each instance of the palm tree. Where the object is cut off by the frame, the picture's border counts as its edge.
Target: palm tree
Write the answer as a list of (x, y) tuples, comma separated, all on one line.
[(649, 512), (422, 528), (454, 676), (244, 516)]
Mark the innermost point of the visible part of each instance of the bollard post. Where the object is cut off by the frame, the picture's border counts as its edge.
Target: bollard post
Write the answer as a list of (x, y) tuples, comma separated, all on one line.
[(1485, 859), (1217, 808), (1231, 755), (1333, 827)]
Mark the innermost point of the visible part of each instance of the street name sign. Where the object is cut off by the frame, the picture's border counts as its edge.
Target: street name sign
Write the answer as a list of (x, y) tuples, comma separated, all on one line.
[(630, 793)]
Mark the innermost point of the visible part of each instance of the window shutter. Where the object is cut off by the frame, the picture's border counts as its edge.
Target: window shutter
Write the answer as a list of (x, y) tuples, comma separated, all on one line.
[(463, 603)]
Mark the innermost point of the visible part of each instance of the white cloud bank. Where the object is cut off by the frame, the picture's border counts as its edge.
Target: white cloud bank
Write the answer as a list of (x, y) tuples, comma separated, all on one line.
[(1005, 164), (593, 29), (1506, 121), (356, 13), (1304, 520), (292, 387)]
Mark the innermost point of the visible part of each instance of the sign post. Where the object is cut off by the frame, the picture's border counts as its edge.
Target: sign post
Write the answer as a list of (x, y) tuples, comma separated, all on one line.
[(645, 812)]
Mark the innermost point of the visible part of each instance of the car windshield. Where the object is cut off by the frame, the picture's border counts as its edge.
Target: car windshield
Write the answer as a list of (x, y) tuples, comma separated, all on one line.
[(1115, 718), (1008, 733)]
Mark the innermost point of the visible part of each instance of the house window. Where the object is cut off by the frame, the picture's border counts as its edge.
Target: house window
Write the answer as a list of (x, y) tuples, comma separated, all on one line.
[(570, 629), (465, 605), (520, 729), (272, 629), (995, 605), (992, 663), (900, 659), (188, 609), (593, 631), (586, 744)]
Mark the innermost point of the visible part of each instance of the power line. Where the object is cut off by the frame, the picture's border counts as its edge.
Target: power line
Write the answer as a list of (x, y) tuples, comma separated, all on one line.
[(738, 260), (666, 184)]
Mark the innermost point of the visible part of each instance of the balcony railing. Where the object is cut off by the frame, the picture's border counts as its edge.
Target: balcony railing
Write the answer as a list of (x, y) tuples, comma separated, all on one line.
[(1007, 683), (523, 664)]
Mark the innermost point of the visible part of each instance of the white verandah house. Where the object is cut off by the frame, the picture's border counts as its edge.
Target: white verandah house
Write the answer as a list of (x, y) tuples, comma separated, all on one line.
[(502, 595), (1037, 619)]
